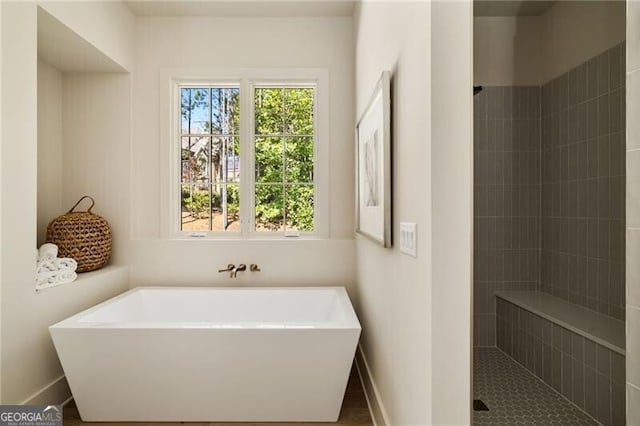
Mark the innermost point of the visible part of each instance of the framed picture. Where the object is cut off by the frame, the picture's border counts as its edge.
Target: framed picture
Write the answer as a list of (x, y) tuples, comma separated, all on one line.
[(373, 165)]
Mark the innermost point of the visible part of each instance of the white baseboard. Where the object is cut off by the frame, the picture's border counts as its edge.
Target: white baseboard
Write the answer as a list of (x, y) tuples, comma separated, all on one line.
[(55, 393), (376, 408)]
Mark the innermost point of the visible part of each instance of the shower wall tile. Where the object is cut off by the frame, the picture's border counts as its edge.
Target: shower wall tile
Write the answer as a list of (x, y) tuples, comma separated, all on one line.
[(590, 375), (618, 408), (583, 184), (507, 199)]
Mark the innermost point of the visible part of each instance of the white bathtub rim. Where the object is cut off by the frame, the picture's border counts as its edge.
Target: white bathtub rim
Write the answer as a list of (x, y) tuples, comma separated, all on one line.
[(349, 322)]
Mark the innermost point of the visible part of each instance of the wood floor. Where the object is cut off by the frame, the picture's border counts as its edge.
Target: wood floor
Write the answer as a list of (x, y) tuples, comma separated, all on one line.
[(354, 412)]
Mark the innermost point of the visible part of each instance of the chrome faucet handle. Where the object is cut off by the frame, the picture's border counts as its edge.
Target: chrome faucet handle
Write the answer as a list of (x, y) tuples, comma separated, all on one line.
[(230, 268), (241, 267), (254, 268)]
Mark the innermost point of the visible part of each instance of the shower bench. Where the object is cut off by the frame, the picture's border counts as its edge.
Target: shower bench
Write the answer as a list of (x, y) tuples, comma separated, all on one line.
[(577, 351)]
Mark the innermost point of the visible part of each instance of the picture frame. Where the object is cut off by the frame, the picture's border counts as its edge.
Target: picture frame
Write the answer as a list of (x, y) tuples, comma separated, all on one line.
[(373, 166)]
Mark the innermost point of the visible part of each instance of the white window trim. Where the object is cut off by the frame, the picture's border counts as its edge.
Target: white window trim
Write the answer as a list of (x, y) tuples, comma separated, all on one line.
[(248, 78)]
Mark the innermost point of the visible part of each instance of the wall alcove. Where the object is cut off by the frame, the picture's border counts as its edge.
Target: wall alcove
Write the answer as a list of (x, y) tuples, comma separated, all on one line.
[(83, 130)]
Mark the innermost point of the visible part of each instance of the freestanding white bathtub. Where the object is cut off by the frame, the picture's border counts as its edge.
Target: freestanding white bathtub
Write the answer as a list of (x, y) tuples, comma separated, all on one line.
[(211, 354)]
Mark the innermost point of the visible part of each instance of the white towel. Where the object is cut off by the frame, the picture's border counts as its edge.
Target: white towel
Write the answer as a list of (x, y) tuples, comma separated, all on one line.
[(66, 277), (55, 277), (65, 263), (54, 271), (48, 251), (45, 277), (46, 266), (57, 264)]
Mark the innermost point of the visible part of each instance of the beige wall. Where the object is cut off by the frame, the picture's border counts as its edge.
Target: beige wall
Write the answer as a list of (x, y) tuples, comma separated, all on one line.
[(164, 43), (393, 292), (575, 31), (96, 149), (523, 51), (451, 211), (49, 147), (507, 51), (633, 213), (19, 183), (31, 372), (415, 312)]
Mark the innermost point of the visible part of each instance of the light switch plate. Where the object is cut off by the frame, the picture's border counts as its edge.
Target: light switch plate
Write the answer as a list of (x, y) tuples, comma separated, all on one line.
[(408, 239)]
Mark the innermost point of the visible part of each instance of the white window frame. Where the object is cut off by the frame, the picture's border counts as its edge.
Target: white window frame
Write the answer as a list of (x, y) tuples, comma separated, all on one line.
[(247, 79)]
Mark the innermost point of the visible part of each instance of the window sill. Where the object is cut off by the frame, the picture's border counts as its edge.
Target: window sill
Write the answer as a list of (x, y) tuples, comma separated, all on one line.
[(104, 275), (239, 238)]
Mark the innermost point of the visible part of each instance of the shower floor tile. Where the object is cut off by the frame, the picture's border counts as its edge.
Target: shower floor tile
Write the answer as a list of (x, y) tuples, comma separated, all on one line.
[(516, 397)]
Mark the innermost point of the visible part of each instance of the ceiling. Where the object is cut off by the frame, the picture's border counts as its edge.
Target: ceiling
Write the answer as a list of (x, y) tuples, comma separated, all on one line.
[(511, 7), (242, 8)]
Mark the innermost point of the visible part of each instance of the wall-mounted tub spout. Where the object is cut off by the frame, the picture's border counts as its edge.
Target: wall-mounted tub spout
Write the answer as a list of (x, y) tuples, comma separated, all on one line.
[(241, 267)]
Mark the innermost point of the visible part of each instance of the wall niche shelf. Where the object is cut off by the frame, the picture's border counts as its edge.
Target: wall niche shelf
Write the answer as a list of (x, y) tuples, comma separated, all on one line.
[(105, 276)]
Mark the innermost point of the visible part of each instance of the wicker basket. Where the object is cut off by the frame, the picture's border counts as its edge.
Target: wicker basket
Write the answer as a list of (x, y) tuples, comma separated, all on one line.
[(83, 236)]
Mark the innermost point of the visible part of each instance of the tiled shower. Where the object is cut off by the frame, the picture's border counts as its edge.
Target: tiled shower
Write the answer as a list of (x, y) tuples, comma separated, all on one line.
[(549, 216), (507, 199), (583, 184)]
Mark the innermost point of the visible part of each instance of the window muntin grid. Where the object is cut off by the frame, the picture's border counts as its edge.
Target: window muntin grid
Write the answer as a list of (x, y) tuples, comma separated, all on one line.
[(284, 152), (210, 158), (248, 79)]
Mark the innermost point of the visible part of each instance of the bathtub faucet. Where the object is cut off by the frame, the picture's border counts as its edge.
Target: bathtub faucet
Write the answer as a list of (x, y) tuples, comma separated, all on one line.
[(230, 268), (241, 267)]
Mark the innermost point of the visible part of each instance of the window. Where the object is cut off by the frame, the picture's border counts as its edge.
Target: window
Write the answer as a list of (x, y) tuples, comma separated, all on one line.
[(283, 144), (210, 158), (249, 157)]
